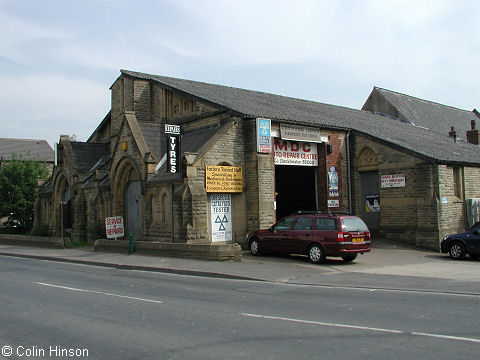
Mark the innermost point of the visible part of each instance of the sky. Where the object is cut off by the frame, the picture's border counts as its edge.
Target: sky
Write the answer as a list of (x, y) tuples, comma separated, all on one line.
[(58, 58)]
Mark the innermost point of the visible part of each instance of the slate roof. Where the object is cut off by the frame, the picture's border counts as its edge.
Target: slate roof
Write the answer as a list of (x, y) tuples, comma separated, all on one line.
[(27, 148), (88, 155), (249, 103), (435, 117)]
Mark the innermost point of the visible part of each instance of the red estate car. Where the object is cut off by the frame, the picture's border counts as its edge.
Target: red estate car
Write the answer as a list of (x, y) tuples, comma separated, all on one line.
[(315, 234)]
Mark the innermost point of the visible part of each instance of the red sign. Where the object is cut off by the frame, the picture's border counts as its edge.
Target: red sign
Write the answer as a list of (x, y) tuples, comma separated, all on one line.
[(114, 227)]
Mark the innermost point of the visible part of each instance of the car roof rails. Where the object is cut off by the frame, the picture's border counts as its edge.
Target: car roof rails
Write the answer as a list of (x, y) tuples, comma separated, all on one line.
[(316, 212)]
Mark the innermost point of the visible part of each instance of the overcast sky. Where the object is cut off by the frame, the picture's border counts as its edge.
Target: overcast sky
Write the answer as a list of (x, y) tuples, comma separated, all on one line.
[(58, 58)]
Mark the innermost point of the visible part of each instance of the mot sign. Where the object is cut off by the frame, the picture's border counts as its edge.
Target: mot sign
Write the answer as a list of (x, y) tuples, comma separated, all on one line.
[(173, 148), (114, 227)]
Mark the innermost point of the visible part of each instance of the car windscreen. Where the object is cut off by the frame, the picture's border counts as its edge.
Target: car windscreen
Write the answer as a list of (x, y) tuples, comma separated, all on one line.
[(353, 224)]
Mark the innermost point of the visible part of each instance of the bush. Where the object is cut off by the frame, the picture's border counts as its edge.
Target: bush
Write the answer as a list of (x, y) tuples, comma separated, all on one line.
[(41, 230), (96, 229)]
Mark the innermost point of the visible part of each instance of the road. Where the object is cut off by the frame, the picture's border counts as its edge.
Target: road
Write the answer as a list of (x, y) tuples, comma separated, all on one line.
[(87, 312)]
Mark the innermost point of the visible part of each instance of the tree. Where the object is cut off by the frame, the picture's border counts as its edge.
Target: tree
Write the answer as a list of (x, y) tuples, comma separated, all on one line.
[(18, 189)]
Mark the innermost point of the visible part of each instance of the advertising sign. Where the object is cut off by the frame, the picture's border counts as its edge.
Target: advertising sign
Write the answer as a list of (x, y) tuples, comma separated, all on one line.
[(332, 182), (372, 203), (295, 153), (114, 227), (221, 217), (264, 135), (173, 148), (397, 180), (223, 179)]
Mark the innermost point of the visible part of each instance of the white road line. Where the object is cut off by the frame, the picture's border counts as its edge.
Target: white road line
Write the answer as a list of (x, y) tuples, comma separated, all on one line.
[(323, 323), (356, 327), (98, 292)]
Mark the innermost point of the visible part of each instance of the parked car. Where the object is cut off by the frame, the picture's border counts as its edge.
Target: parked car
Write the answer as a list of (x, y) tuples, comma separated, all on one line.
[(314, 234), (459, 245)]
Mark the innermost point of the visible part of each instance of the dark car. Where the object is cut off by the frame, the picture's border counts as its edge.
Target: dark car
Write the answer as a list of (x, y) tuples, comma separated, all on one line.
[(459, 245), (314, 234)]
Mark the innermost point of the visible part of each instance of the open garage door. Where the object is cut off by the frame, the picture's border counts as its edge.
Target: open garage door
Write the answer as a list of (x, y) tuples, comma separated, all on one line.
[(295, 187)]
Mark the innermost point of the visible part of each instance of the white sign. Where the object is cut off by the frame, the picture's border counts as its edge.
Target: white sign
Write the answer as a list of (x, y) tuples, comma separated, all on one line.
[(172, 129), (221, 217), (295, 153), (114, 227), (333, 203), (397, 180), (302, 133)]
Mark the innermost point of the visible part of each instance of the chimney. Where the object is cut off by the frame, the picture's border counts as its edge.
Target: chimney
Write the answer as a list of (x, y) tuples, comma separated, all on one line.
[(453, 134), (472, 135)]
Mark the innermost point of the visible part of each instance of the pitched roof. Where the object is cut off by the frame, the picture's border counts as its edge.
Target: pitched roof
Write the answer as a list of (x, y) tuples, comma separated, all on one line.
[(88, 155), (249, 103), (29, 149), (433, 116)]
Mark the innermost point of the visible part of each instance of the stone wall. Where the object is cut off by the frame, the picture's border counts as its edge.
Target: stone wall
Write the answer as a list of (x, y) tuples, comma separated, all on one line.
[(408, 214)]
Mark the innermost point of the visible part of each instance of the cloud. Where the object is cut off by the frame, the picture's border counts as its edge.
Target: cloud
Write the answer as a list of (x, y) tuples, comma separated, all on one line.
[(45, 106)]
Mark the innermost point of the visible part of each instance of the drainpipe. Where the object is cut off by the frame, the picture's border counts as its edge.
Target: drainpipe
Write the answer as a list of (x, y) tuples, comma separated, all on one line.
[(347, 145), (171, 213)]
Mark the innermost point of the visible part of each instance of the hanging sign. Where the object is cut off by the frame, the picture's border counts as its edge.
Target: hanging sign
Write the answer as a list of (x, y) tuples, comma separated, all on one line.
[(223, 179), (114, 227), (264, 135), (173, 148), (221, 217), (295, 153)]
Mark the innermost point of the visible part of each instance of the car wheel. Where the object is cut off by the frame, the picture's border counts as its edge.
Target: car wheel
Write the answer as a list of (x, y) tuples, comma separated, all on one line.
[(457, 251), (255, 248), (316, 255), (349, 258)]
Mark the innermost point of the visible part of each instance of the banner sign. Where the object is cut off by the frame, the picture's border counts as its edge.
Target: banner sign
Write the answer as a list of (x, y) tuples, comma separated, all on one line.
[(302, 133), (397, 180), (114, 227), (223, 179), (264, 135), (221, 217), (295, 153), (173, 148)]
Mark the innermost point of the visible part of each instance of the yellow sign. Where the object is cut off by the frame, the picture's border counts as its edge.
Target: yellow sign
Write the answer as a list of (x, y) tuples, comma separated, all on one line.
[(223, 179)]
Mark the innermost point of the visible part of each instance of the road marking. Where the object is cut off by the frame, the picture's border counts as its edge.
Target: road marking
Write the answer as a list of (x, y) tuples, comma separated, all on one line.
[(98, 292), (356, 327)]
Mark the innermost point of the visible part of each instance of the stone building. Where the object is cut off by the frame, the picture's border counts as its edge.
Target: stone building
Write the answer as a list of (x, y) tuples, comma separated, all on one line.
[(245, 158)]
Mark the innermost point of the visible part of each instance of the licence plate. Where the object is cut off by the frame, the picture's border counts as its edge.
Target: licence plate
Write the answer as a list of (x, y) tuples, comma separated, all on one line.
[(358, 240)]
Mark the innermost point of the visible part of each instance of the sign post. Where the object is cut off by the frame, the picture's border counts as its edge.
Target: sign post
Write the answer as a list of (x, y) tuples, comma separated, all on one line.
[(114, 227)]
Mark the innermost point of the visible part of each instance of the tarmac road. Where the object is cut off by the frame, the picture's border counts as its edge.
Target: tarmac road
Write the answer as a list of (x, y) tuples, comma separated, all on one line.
[(388, 265), (105, 312)]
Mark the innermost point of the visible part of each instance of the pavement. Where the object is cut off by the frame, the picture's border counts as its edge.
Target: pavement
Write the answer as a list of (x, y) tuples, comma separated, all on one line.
[(389, 265)]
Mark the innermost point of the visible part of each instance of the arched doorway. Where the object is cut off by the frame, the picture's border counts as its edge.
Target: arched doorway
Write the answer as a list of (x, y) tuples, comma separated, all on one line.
[(370, 189), (128, 197), (133, 208)]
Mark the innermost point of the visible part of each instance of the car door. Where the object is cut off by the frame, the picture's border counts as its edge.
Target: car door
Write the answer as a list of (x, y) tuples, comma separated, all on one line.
[(326, 230), (275, 239), (473, 241), (299, 237)]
